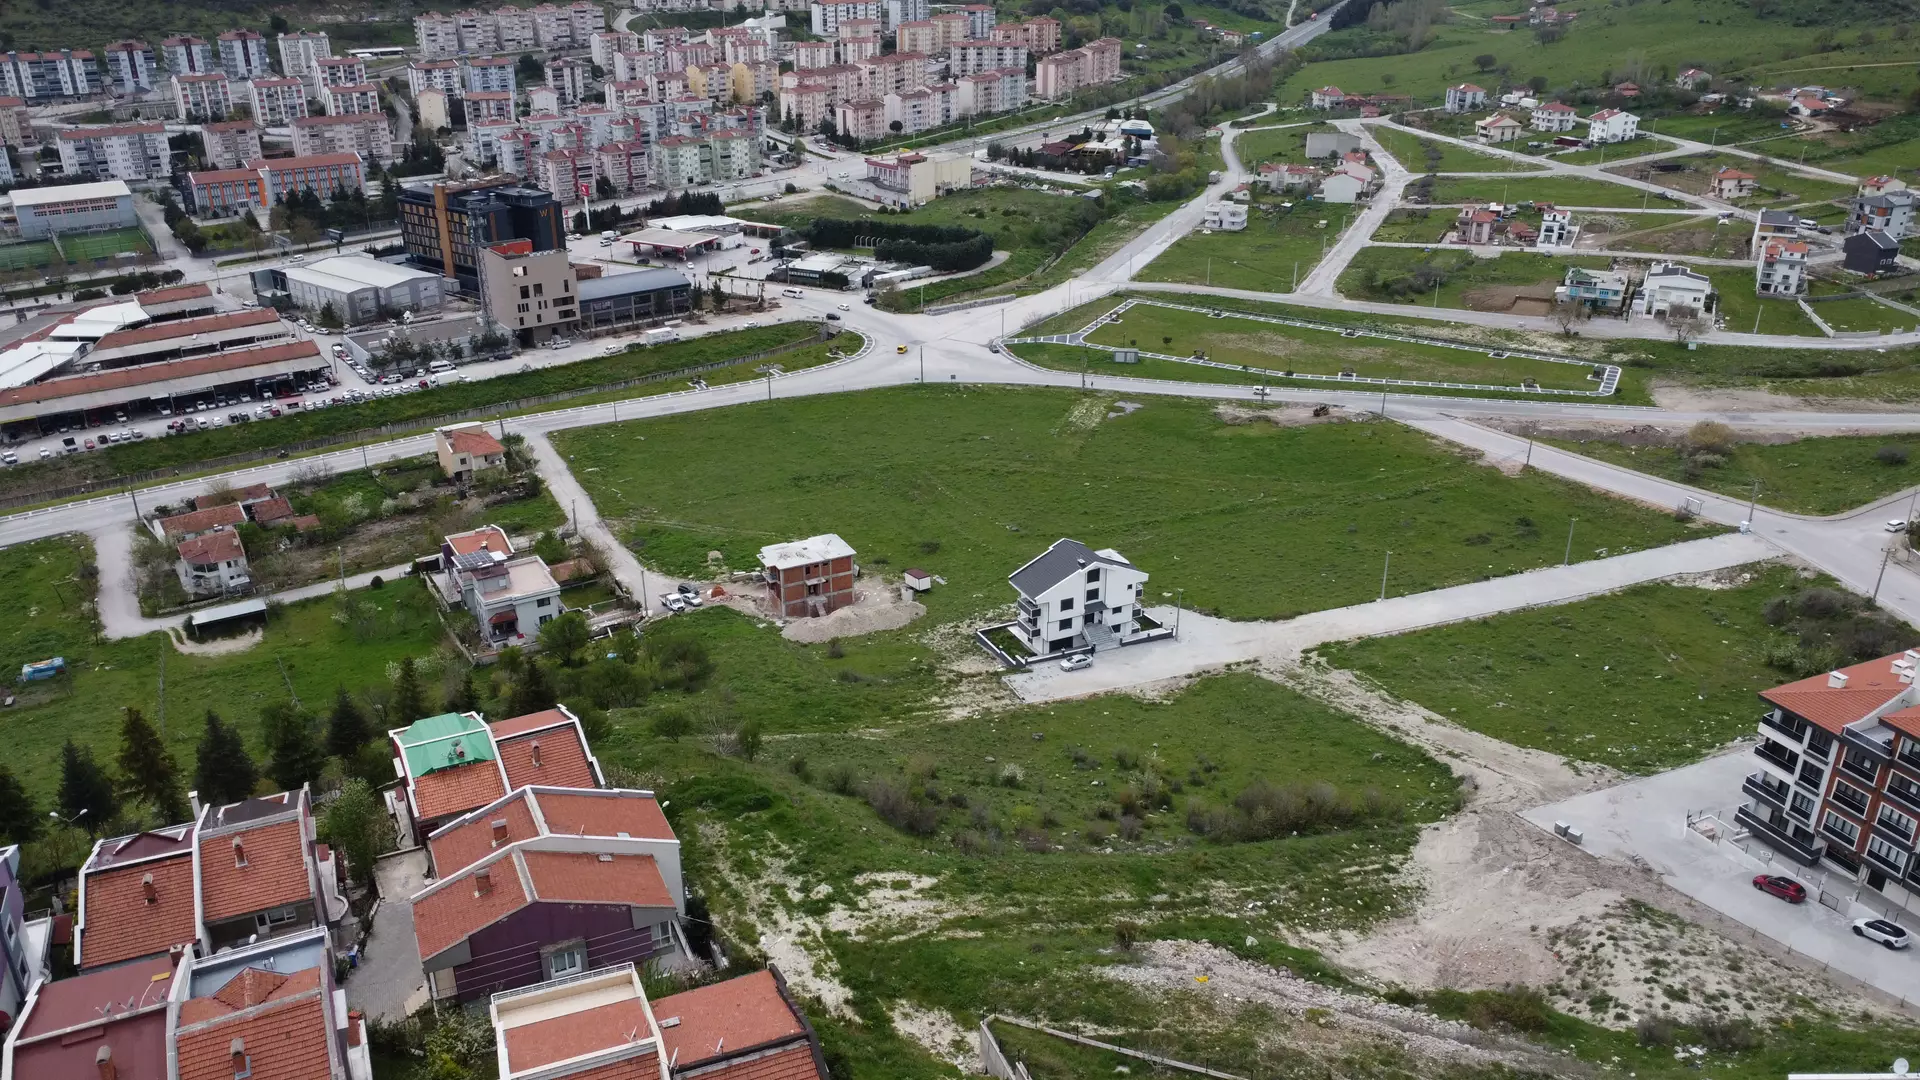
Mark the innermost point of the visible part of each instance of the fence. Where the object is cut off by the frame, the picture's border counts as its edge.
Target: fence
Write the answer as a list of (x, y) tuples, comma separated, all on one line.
[(1138, 1055), (941, 309), (398, 426), (995, 1062)]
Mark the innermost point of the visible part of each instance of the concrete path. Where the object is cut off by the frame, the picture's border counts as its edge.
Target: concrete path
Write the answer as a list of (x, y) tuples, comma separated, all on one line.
[(584, 518), (388, 983), (1205, 643), (1393, 181), (1646, 820)]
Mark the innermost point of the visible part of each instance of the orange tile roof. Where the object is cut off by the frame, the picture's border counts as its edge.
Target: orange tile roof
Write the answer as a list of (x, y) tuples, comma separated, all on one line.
[(790, 1063), (474, 441), (272, 511), (196, 521), (465, 844), (446, 916), (1905, 721), (119, 924), (1870, 685), (198, 291), (533, 721), (142, 374), (213, 548), (557, 1038), (469, 542), (725, 1017), (604, 815), (562, 759), (275, 874), (445, 792), (585, 878), (187, 329), (250, 493), (284, 1036), (643, 1067)]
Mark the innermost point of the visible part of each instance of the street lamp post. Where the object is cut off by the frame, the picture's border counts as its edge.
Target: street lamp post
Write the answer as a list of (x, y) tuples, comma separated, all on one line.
[(1567, 558), (1752, 501), (1384, 567)]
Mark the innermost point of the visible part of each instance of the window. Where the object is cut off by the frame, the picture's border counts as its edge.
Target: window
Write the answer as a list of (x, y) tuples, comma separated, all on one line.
[(566, 959), (1892, 855), (1093, 575), (267, 921), (1092, 595), (1066, 604), (1066, 624), (524, 293), (1849, 796), (545, 601), (545, 619), (1803, 805), (1894, 821), (1841, 827), (539, 289)]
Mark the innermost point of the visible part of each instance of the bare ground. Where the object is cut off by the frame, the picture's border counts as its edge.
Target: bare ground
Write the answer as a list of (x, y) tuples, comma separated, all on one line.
[(1285, 415), (877, 605), (1680, 396)]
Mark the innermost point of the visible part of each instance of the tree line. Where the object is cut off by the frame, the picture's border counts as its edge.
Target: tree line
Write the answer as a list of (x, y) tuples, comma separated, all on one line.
[(946, 248)]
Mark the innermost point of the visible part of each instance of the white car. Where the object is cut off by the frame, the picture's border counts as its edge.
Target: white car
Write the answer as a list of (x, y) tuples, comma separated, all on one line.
[(672, 602), (10, 458), (846, 307), (1882, 931), (1076, 662), (689, 595), (1897, 525)]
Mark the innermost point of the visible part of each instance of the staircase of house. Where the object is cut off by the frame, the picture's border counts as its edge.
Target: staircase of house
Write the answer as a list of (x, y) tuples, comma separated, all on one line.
[(1099, 636)]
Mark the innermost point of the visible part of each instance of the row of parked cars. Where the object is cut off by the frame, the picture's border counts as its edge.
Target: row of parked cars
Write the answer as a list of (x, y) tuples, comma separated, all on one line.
[(1883, 931), (681, 599)]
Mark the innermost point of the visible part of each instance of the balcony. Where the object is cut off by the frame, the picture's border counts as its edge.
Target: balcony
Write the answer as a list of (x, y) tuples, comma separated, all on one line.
[(1840, 836), (1872, 739), (1786, 728), (1811, 776), (1796, 844), (1903, 793), (1772, 754), (1858, 765), (1762, 785), (1884, 864), (1893, 830)]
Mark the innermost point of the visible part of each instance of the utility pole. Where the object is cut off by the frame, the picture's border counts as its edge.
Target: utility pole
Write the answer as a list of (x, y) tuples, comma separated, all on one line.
[(1384, 567), (1179, 595), (1753, 502), (1884, 556), (923, 363), (341, 553), (1568, 557), (1296, 277), (163, 685), (135, 496)]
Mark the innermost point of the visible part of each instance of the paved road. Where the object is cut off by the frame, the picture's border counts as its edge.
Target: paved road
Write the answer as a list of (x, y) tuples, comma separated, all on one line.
[(1206, 643), (388, 984)]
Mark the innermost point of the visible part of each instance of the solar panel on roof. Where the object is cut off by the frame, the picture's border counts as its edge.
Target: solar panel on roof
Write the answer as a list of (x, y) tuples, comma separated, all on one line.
[(474, 560)]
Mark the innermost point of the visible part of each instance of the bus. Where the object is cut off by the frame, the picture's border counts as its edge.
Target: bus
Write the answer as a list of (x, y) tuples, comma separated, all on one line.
[(378, 53)]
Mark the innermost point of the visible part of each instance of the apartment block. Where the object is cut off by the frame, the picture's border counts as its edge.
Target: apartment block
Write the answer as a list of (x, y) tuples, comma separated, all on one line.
[(442, 75), (489, 105), (826, 15), (1781, 268), (568, 174), (808, 55), (899, 11), (16, 122), (1041, 36), (368, 134), (604, 45), (121, 152), (36, 77), (991, 92), (865, 118), (436, 35), (299, 52), (277, 102), (1059, 75), (679, 161), (969, 57), (623, 164), (243, 54), (323, 175), (361, 98), (202, 97), (487, 74), (924, 108), (513, 28), (131, 67), (188, 56), (891, 74), (571, 78), (230, 143), (339, 71)]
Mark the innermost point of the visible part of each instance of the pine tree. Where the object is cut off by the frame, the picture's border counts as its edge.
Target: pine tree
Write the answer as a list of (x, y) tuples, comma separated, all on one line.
[(464, 697), (223, 770), (20, 820), (294, 753), (532, 692), (347, 727), (147, 768), (409, 700), (85, 788)]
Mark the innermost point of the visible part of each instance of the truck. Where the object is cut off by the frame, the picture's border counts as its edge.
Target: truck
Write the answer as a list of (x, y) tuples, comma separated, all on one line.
[(660, 335), (42, 669)]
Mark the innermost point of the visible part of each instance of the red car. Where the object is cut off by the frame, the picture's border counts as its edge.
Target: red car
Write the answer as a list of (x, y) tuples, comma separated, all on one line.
[(1783, 887)]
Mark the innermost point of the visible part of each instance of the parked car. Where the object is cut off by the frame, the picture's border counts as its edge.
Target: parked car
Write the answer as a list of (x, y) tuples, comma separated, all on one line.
[(831, 317), (1897, 525), (10, 458), (689, 594), (1889, 934), (1783, 887), (672, 602), (1076, 662), (846, 307)]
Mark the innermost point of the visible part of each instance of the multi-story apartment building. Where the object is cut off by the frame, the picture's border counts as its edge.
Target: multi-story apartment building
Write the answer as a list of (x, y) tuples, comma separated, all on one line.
[(131, 67), (1781, 269), (202, 97), (229, 144), (324, 175), (367, 134), (488, 105), (891, 74), (243, 54), (1041, 36), (442, 75), (188, 55), (990, 92), (588, 19), (339, 71), (1059, 75), (662, 38), (120, 152), (1891, 212), (680, 161), (16, 122), (571, 78), (924, 108), (440, 223), (298, 53), (814, 54), (826, 15), (487, 74), (968, 57), (688, 54), (276, 102), (567, 174), (479, 32), (859, 39), (35, 77), (436, 35), (1837, 783), (604, 45), (921, 36), (514, 29), (362, 98), (981, 19), (739, 45), (864, 118), (899, 11), (623, 164)]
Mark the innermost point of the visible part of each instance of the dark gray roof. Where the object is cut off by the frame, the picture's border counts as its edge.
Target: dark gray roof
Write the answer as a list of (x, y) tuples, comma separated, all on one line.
[(1877, 237), (1778, 217), (626, 284), (248, 810), (1064, 558)]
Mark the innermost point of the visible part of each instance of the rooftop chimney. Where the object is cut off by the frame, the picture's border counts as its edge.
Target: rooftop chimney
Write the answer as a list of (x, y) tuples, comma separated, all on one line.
[(483, 883), (499, 831), (103, 1061), (237, 1049), (1836, 680), (536, 753), (147, 890), (239, 853), (355, 1021), (193, 800)]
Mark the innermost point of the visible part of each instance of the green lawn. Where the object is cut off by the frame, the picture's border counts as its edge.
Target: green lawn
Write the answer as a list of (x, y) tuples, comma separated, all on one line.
[(971, 482), (1777, 185), (1825, 475), (87, 246), (1740, 306), (1559, 190), (1102, 240), (1417, 225), (1286, 145), (1718, 128), (1899, 156), (1702, 236), (49, 613), (1388, 274), (1280, 348), (1642, 680), (34, 253), (1275, 250), (1418, 155), (1861, 314)]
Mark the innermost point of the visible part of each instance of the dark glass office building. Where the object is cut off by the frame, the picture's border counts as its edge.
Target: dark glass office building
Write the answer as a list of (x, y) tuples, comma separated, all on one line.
[(442, 225)]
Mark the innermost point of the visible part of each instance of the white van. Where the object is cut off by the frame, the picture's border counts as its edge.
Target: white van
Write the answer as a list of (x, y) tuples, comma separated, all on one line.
[(439, 367), (791, 292)]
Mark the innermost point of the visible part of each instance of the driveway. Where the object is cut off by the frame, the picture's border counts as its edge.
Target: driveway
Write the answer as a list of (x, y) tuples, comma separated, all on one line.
[(388, 985), (1646, 821)]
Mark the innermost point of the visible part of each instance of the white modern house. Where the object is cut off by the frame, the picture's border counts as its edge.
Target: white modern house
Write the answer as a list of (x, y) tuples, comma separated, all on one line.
[(1612, 126), (1073, 597), (1673, 290), (213, 564), (510, 596), (1553, 117), (1465, 98), (1225, 217), (1557, 229)]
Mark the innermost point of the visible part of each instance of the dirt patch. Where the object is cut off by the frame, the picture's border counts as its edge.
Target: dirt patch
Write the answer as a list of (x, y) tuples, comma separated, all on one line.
[(1685, 398), (223, 646), (1288, 415), (877, 605), (1512, 299), (939, 1033)]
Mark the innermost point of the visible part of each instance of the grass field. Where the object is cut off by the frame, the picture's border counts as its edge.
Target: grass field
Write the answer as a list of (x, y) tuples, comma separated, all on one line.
[(970, 483), (1740, 306), (1861, 314), (1418, 155), (1825, 475), (1382, 273), (1716, 128), (87, 246), (1287, 145), (1700, 236), (1275, 250), (1293, 349), (1776, 185), (25, 256), (1559, 190), (1418, 225), (1642, 680)]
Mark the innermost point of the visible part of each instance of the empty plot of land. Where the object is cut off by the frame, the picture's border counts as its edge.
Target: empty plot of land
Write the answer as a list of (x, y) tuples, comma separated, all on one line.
[(1418, 155)]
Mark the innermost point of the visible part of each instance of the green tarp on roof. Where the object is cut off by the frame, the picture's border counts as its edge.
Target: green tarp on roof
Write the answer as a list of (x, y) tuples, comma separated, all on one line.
[(441, 742)]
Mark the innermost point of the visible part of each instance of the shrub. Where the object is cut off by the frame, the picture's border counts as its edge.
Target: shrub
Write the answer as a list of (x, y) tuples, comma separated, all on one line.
[(900, 809), (375, 583), (1130, 827), (797, 765), (1125, 935), (1725, 1034), (1891, 454), (1012, 776), (1517, 1008), (1653, 1030), (839, 778), (1126, 758)]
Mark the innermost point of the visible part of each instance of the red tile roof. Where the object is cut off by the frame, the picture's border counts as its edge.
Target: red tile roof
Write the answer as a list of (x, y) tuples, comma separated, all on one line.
[(555, 757), (199, 521), (185, 329), (1870, 685), (137, 1039), (272, 511), (464, 844), (283, 1034), (643, 1067), (469, 542), (557, 1038), (788, 1063), (118, 923), (450, 913), (629, 812), (141, 374), (275, 874), (445, 792), (170, 294), (724, 1018), (1731, 173), (533, 721), (585, 878), (250, 493), (214, 547), (66, 1003)]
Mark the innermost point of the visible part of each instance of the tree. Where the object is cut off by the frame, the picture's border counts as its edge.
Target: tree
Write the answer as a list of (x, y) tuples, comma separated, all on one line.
[(603, 187), (895, 126), (1485, 61), (358, 826), (565, 637), (347, 727), (672, 723), (1537, 84), (409, 700), (463, 697), (327, 318), (1686, 325), (528, 69), (749, 739), (223, 771), (531, 692), (1567, 312), (1174, 12), (719, 296), (294, 753), (20, 820), (85, 790), (580, 222), (147, 770)]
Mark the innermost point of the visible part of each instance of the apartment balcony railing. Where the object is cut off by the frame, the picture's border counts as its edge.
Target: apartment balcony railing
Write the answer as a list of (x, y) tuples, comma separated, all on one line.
[(1793, 732), (1804, 848), (1855, 803), (1765, 786), (1771, 753)]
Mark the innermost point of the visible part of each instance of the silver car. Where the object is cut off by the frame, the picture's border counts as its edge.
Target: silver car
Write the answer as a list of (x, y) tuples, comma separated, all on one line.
[(1889, 934)]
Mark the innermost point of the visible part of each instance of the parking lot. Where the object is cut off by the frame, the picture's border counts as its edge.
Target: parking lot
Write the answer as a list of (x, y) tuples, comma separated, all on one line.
[(1646, 820)]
